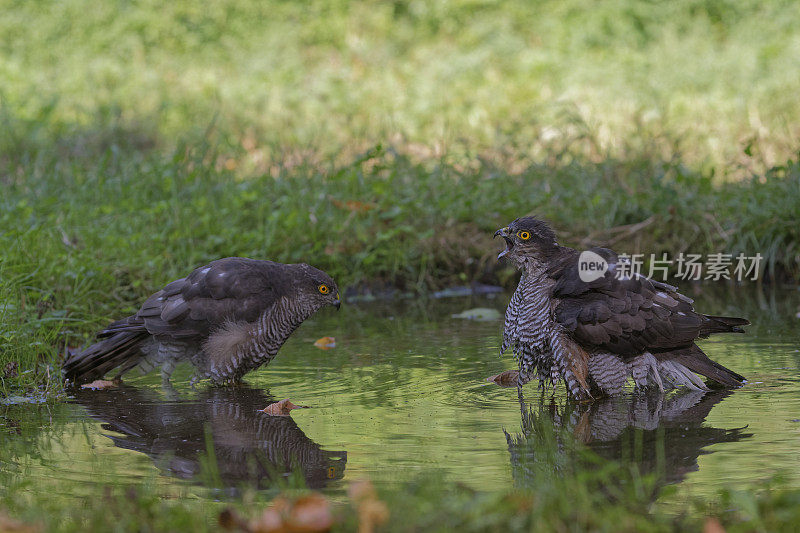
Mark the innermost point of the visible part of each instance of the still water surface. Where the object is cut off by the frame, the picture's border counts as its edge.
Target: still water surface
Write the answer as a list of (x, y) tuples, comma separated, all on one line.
[(404, 394)]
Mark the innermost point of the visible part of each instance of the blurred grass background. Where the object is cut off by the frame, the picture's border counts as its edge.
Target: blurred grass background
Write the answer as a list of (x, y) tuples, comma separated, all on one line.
[(698, 79), (381, 141)]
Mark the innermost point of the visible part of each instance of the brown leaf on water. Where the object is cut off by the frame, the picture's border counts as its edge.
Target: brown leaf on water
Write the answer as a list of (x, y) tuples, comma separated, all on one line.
[(372, 512), (505, 379), (101, 384), (281, 408), (325, 343)]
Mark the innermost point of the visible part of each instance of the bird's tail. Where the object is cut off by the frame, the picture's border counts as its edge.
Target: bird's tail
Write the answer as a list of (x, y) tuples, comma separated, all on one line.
[(722, 324), (697, 361), (120, 349)]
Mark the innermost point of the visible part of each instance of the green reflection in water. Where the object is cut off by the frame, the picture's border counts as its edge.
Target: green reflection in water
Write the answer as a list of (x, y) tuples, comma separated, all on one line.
[(404, 394)]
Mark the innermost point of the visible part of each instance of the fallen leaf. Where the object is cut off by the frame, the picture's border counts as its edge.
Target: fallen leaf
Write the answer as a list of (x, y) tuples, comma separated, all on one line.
[(310, 513), (482, 314), (270, 521), (372, 512), (509, 378), (281, 408), (101, 384), (325, 343)]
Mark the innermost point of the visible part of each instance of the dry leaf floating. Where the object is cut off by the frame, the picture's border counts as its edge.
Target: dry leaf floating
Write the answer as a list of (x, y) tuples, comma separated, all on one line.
[(101, 384), (282, 408), (509, 378), (325, 343)]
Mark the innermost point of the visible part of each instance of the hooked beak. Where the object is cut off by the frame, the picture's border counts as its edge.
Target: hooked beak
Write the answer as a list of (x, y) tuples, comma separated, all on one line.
[(337, 303), (503, 232)]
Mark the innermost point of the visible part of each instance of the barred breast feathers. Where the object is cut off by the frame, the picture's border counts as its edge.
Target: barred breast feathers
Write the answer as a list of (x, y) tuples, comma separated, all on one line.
[(238, 347), (528, 323)]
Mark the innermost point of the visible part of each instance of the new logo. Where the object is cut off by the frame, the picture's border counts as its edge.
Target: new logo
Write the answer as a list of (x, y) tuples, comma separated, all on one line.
[(591, 266)]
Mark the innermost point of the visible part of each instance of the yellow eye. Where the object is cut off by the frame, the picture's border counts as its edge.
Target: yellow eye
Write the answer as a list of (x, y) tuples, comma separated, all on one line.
[(524, 235), (324, 289)]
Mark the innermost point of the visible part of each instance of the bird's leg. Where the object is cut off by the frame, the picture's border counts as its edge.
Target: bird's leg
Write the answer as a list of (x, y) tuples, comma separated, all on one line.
[(166, 371), (235, 381), (170, 391), (167, 368)]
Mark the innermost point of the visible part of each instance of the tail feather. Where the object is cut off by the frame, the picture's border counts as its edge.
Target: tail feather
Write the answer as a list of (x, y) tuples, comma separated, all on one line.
[(722, 324), (695, 360), (118, 350)]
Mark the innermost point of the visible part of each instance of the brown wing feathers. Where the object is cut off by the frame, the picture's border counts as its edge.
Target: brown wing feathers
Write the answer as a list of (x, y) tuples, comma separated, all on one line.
[(632, 315), (722, 324), (185, 309), (231, 288), (102, 357), (697, 361)]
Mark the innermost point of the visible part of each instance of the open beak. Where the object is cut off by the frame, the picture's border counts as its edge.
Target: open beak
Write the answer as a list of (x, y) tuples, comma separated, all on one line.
[(503, 232), (337, 303)]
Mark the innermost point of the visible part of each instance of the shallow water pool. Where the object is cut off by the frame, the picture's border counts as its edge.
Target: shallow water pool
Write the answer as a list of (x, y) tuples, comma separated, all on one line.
[(404, 394)]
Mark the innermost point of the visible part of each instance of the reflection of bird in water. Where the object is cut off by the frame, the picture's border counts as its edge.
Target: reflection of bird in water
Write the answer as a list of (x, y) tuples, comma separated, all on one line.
[(661, 434), (249, 446)]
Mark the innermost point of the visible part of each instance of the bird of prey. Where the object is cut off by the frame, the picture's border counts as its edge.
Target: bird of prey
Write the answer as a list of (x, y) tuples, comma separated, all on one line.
[(596, 334), (226, 318)]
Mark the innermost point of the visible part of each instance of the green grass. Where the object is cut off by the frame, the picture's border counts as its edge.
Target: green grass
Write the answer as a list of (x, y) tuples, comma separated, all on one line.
[(429, 505), (697, 78)]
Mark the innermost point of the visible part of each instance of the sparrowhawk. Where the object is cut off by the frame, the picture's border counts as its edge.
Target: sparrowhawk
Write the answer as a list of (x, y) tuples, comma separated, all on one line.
[(226, 318), (596, 334)]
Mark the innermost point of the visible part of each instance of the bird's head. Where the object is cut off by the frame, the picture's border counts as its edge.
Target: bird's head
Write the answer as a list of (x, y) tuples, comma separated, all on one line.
[(527, 240), (317, 289)]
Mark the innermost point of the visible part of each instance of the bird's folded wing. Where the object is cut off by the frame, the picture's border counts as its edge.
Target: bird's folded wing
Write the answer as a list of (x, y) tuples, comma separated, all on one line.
[(625, 315), (231, 289)]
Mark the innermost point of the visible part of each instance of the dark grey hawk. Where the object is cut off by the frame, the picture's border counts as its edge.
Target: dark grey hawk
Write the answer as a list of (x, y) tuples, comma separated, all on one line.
[(596, 334), (226, 318)]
